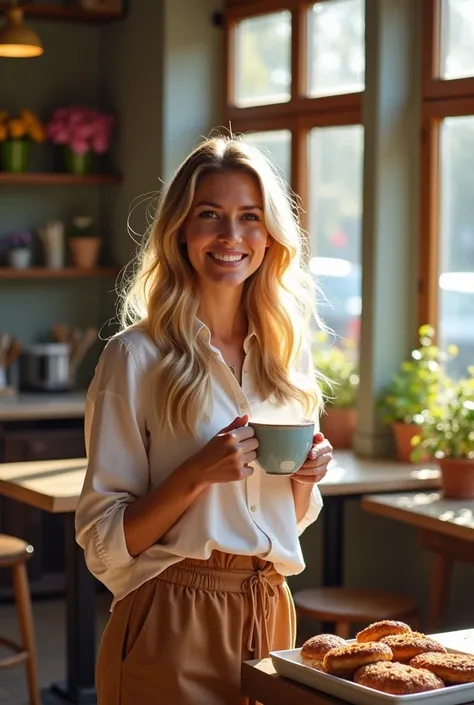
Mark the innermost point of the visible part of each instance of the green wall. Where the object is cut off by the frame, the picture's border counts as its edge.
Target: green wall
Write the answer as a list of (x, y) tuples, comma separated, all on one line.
[(159, 70), (57, 77)]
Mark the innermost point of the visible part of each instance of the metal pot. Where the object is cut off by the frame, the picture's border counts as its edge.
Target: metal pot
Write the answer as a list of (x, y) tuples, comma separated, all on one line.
[(46, 367)]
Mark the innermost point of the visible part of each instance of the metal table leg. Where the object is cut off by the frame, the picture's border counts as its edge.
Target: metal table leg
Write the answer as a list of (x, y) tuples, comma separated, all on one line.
[(79, 688), (333, 545), (333, 541)]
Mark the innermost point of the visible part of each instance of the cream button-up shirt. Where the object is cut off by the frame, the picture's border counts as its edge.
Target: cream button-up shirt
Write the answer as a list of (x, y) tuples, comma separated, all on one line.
[(129, 456)]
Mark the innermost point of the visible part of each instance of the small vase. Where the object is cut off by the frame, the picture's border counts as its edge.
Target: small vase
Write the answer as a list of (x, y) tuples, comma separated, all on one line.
[(15, 156), (79, 164), (19, 258), (85, 251)]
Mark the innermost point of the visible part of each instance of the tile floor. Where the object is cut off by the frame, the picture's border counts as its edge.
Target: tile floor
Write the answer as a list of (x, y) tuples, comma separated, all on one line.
[(50, 636)]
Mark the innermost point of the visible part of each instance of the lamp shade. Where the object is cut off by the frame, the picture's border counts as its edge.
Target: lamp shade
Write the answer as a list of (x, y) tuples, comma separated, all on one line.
[(17, 40)]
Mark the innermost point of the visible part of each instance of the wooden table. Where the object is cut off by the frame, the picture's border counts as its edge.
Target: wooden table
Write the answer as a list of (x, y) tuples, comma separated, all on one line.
[(350, 478), (261, 682), (446, 529), (54, 486)]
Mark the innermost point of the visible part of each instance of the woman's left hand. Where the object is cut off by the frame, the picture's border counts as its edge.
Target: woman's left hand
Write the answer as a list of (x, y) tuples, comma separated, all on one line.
[(316, 464)]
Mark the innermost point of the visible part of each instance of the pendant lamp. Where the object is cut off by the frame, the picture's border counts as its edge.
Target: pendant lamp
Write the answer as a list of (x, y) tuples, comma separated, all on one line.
[(16, 39)]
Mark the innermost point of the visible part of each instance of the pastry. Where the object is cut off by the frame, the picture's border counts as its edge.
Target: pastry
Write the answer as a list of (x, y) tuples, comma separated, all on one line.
[(378, 630), (315, 649), (407, 646), (452, 668), (397, 678), (345, 660)]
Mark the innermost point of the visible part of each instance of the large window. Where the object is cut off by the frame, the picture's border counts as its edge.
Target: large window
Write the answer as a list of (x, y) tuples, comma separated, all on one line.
[(447, 179), (295, 76), (277, 145), (335, 221)]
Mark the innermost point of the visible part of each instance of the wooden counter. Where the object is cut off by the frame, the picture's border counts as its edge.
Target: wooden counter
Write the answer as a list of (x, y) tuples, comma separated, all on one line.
[(28, 407)]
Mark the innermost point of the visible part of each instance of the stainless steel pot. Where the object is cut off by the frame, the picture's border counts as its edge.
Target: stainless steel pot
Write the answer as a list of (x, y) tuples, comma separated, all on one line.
[(46, 367)]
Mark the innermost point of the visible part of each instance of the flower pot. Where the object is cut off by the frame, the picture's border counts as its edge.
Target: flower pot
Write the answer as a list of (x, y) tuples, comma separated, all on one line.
[(20, 258), (457, 477), (79, 164), (403, 433), (338, 426), (85, 251), (15, 156)]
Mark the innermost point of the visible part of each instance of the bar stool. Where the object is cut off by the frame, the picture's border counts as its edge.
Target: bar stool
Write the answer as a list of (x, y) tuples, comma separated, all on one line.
[(13, 554), (343, 606)]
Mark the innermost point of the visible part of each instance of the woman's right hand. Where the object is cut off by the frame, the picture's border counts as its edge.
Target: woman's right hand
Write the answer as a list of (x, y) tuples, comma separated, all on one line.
[(226, 457)]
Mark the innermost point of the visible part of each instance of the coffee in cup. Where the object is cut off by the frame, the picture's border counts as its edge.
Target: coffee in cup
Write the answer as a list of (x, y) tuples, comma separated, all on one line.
[(283, 447)]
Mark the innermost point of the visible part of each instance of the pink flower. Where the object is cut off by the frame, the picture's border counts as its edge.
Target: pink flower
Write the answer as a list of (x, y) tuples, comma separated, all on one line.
[(79, 147), (99, 145), (81, 128)]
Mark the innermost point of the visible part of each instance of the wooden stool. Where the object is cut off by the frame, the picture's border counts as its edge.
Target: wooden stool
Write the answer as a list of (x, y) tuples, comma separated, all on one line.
[(345, 606), (13, 554)]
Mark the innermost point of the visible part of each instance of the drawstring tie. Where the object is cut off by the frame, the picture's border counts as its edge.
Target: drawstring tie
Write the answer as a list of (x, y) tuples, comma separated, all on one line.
[(261, 593)]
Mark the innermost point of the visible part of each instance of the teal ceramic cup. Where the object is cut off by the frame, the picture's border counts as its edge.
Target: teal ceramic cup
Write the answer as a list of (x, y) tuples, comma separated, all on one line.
[(283, 448)]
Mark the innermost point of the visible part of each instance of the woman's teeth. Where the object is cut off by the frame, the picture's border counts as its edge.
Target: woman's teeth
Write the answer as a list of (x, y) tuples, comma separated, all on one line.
[(226, 258)]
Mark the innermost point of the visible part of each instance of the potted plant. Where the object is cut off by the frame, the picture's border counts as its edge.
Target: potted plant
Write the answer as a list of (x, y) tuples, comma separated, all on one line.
[(417, 387), (18, 247), (84, 243), (16, 135), (340, 383), (447, 434), (81, 131)]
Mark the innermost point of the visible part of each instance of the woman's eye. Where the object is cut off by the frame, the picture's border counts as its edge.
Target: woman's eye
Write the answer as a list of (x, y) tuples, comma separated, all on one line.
[(208, 214), (251, 216)]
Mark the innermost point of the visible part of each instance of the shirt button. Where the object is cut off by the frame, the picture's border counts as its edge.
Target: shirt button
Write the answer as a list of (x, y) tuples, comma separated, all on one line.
[(253, 508)]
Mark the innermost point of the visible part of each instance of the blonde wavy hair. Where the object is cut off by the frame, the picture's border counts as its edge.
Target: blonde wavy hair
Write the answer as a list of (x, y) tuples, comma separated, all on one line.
[(278, 298)]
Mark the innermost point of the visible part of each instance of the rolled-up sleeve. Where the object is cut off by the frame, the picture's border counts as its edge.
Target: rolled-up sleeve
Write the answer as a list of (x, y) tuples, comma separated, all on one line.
[(313, 511), (117, 461)]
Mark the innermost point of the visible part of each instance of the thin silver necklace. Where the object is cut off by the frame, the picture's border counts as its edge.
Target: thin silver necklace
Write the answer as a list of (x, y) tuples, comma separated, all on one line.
[(232, 369)]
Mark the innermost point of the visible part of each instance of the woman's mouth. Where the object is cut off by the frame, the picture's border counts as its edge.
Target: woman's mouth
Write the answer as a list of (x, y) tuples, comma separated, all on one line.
[(232, 259)]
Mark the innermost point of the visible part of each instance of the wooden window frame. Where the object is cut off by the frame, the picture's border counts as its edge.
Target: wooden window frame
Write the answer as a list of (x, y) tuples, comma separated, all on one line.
[(301, 113), (440, 99)]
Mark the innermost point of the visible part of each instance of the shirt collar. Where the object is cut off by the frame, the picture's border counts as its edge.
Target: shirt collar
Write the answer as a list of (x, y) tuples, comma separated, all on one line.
[(202, 331)]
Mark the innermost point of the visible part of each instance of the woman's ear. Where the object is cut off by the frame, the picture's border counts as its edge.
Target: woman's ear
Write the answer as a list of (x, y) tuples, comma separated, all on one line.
[(269, 241)]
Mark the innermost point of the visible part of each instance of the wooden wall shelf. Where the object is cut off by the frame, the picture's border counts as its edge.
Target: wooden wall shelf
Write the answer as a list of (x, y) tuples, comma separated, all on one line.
[(52, 178), (65, 13), (65, 273)]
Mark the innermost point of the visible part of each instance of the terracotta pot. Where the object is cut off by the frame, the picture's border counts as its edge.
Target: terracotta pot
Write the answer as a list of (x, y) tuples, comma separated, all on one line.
[(457, 477), (338, 425), (403, 433), (85, 251)]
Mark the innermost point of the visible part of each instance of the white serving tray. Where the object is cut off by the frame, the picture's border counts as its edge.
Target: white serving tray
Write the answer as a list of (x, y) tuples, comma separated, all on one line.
[(288, 664)]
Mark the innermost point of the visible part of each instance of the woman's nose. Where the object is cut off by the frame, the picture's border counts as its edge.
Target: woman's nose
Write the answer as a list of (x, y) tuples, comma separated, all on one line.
[(230, 231)]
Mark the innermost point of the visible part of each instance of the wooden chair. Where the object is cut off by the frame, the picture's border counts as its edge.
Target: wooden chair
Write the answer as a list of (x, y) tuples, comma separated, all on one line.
[(13, 554), (343, 607), (445, 550)]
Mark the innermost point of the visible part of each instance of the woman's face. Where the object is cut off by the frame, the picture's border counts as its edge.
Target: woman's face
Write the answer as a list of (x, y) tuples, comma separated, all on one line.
[(224, 232)]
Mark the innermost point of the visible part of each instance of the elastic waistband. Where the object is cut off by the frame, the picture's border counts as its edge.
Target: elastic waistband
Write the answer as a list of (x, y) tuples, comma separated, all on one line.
[(199, 575)]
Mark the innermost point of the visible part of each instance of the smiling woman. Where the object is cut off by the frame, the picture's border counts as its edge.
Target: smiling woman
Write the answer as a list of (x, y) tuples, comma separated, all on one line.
[(225, 233), (177, 518)]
